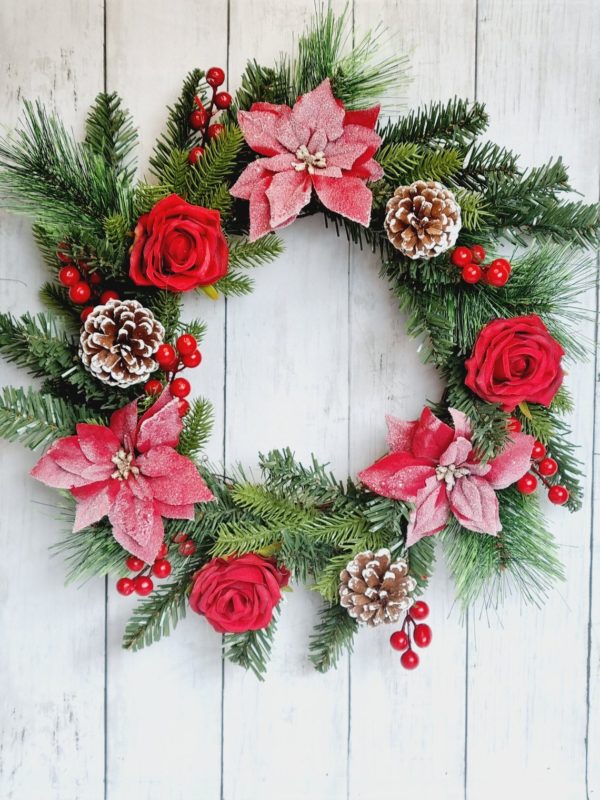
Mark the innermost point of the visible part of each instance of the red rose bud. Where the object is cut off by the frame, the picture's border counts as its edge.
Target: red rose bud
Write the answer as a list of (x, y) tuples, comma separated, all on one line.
[(178, 247), (505, 365), (238, 594)]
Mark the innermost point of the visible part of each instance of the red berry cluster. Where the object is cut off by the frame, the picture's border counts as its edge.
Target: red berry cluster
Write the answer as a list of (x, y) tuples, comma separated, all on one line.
[(200, 118), (413, 626), (542, 467), (173, 360), (186, 546), (82, 284), (470, 261), (142, 583)]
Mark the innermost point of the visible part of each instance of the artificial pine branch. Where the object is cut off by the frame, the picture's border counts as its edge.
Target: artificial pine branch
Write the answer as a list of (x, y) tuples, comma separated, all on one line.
[(35, 419), (178, 136), (332, 636), (252, 649), (111, 135), (523, 557)]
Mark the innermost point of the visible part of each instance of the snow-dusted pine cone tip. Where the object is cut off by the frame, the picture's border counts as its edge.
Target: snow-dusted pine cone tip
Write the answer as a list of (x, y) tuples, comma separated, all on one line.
[(376, 590), (422, 220), (118, 341)]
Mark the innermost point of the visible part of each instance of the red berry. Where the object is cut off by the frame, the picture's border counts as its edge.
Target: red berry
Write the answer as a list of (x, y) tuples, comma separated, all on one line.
[(179, 537), (95, 278), (187, 548), (125, 586), (399, 640), (143, 585), (62, 254), (180, 387), (198, 119), (164, 549), (222, 100), (409, 660), (183, 407), (420, 610), (547, 467), (153, 387), (497, 276), (215, 130), (527, 484), (195, 154), (193, 359), (109, 294), (86, 312), (461, 256), (502, 263), (165, 355), (538, 451), (478, 253), (472, 273), (134, 564), (558, 495), (186, 344), (80, 293), (69, 275), (514, 425), (215, 77), (422, 635), (161, 568)]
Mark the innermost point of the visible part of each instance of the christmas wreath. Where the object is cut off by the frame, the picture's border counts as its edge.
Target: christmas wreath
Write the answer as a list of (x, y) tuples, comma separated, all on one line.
[(124, 443)]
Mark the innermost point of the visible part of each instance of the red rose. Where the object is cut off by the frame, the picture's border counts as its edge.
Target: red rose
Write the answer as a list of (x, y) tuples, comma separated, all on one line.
[(515, 360), (178, 247), (238, 594)]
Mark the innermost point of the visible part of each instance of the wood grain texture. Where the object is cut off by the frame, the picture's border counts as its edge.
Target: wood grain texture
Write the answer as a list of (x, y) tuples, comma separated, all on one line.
[(381, 359), (313, 359), (537, 662), (52, 653), (173, 715)]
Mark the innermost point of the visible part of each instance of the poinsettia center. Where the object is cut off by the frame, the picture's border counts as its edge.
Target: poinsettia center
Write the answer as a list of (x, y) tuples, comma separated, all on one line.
[(309, 161), (450, 474), (124, 466)]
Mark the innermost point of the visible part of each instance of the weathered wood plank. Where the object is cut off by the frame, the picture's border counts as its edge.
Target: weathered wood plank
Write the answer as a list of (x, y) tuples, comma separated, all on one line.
[(527, 680), (164, 704), (423, 751), (52, 663)]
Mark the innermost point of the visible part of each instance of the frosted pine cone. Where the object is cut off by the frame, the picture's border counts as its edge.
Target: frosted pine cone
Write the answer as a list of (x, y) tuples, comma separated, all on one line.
[(118, 342), (422, 220), (375, 590)]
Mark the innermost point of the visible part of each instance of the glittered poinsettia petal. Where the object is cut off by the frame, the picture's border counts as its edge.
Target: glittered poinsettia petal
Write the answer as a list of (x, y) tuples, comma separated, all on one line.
[(93, 502), (475, 505), (288, 193), (432, 436), (431, 512), (367, 117), (319, 110), (259, 129), (399, 476), (162, 426), (346, 196), (400, 433), (512, 463)]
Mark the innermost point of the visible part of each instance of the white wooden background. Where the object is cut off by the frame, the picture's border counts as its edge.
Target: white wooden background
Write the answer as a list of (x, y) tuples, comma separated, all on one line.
[(500, 708)]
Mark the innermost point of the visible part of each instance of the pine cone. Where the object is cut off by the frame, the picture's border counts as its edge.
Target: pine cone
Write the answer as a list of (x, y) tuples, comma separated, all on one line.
[(374, 590), (118, 341), (423, 219)]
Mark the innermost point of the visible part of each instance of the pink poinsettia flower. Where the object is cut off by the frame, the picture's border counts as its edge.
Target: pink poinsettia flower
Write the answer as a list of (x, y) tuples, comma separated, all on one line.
[(129, 472), (316, 144), (434, 466)]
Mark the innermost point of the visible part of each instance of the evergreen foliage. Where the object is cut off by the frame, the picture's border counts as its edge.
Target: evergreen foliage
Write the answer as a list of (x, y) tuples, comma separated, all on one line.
[(85, 203)]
